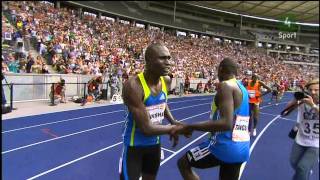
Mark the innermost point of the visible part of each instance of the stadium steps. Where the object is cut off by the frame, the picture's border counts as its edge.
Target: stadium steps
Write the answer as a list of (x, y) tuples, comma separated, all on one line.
[(34, 54)]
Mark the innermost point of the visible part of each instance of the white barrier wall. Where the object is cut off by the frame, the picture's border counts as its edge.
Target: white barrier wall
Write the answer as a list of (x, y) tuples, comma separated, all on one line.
[(41, 92), (193, 82)]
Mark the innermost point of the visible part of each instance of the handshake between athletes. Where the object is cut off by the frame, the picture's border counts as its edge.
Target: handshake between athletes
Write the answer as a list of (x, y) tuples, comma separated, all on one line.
[(180, 129), (145, 96)]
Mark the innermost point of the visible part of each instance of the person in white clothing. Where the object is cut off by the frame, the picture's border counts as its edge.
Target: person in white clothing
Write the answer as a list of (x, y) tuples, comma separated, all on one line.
[(305, 149)]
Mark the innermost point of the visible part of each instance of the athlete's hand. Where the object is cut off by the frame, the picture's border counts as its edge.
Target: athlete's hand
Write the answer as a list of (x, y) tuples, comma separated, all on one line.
[(183, 129), (174, 136), (176, 122), (186, 131), (308, 100)]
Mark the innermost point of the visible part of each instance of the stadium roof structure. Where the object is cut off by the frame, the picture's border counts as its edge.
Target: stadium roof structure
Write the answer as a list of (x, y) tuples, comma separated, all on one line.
[(301, 11)]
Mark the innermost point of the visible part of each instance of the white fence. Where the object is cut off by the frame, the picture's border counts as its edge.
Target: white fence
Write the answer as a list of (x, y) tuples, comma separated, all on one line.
[(41, 92), (31, 92)]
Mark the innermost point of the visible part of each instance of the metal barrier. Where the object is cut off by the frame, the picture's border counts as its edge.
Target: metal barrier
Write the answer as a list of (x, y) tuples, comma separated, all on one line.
[(14, 86), (35, 87)]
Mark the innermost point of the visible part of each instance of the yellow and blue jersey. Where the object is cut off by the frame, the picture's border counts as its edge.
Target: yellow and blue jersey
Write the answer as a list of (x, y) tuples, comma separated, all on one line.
[(155, 105), (232, 146)]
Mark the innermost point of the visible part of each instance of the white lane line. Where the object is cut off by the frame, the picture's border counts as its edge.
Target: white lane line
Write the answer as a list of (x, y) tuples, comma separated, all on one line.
[(72, 119), (255, 142), (269, 114), (273, 105), (194, 116), (280, 117), (71, 162), (167, 150), (207, 133), (184, 147), (163, 162), (96, 152), (190, 106), (202, 99), (28, 127), (60, 137), (68, 135), (106, 105), (289, 119)]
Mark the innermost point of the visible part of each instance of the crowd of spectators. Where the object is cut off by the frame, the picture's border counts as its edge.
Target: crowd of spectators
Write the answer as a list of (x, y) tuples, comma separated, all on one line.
[(93, 46)]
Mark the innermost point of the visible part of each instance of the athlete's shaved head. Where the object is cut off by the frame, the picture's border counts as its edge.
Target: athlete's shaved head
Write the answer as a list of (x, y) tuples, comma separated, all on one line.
[(227, 68), (157, 57), (152, 50)]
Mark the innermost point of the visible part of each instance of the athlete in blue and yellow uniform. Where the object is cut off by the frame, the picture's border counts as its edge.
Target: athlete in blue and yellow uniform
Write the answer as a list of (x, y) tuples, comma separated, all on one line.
[(145, 97), (229, 141)]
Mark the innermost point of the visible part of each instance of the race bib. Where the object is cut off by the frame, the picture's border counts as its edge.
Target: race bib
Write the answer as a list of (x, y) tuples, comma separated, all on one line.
[(156, 113), (116, 99), (240, 131), (310, 128), (252, 93)]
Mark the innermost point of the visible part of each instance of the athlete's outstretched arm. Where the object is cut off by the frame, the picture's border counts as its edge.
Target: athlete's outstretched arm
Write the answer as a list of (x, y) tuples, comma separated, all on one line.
[(293, 104), (266, 87), (133, 98), (169, 117), (225, 103), (167, 112)]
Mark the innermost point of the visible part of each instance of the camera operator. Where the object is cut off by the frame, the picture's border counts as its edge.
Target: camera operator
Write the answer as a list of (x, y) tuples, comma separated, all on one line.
[(58, 93), (93, 90), (305, 150)]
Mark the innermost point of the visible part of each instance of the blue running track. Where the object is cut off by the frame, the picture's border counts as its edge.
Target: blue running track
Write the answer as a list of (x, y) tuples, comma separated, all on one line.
[(86, 144)]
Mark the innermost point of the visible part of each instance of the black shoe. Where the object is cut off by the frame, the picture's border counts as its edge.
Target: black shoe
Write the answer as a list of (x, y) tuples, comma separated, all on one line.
[(6, 109), (84, 102)]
